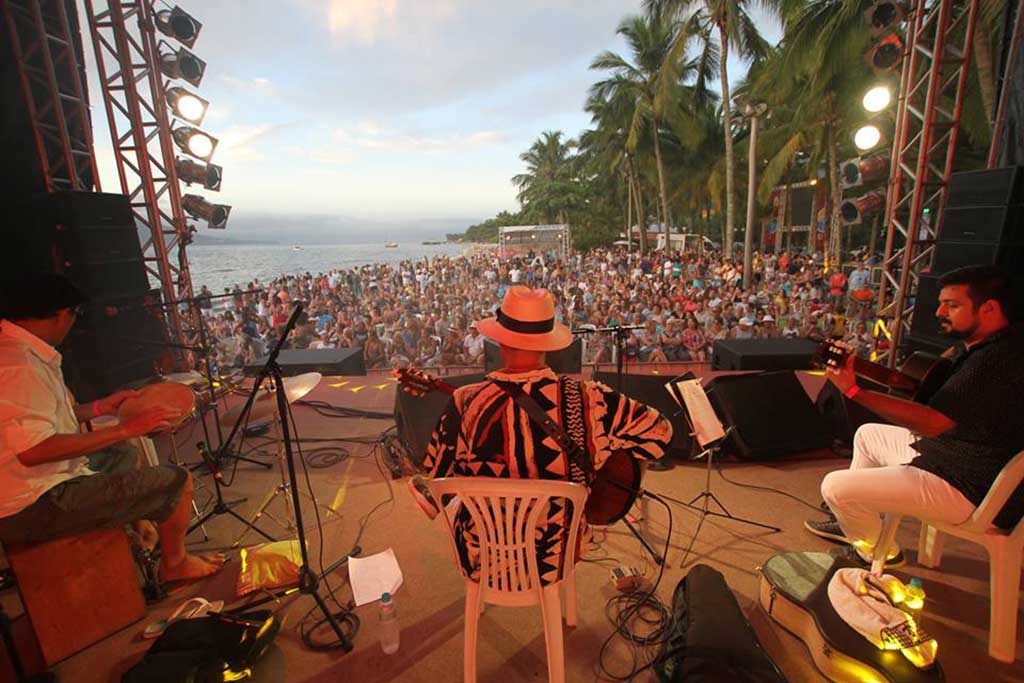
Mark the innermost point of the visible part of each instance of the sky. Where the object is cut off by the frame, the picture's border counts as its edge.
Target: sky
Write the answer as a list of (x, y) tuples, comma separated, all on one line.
[(388, 110)]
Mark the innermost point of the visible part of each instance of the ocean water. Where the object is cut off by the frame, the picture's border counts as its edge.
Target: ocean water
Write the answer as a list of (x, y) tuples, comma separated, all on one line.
[(222, 265)]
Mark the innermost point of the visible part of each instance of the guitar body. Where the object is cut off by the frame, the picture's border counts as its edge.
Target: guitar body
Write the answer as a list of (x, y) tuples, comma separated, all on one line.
[(929, 371), (614, 490), (794, 593)]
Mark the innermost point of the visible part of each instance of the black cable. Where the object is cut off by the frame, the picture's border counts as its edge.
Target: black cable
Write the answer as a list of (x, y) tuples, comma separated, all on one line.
[(757, 487), (331, 410), (624, 610)]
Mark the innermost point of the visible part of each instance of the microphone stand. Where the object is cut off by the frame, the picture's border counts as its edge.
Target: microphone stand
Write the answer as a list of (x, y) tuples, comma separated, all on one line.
[(308, 581), (221, 506), (619, 334)]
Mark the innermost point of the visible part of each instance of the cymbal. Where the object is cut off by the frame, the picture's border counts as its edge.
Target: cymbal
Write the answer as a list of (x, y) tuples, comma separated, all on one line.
[(266, 402)]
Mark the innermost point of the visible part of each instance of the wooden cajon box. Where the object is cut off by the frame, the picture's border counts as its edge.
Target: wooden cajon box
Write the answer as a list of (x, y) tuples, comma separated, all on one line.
[(77, 590)]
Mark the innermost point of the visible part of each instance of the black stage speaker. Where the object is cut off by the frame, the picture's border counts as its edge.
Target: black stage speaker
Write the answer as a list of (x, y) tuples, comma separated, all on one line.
[(116, 341), (650, 389), (763, 354), (568, 361), (982, 225), (416, 416), (770, 413), (346, 361)]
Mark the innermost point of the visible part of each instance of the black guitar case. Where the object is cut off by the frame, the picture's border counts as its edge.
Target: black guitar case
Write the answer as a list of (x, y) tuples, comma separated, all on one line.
[(710, 639), (794, 592)]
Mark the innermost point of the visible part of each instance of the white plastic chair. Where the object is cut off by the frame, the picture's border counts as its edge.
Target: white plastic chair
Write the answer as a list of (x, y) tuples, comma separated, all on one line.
[(506, 513), (1005, 549)]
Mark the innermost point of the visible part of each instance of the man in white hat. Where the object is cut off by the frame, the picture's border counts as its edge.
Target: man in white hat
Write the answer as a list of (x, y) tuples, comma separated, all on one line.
[(485, 432)]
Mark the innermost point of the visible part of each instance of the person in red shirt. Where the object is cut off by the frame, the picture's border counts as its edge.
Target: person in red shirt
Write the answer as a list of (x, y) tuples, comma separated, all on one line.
[(836, 286)]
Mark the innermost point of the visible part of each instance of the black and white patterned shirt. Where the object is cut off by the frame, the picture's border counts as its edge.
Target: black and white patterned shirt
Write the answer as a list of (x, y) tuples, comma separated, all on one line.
[(985, 398)]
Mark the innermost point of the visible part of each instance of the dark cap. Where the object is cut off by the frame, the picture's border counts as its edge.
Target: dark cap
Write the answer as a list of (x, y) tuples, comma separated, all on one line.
[(34, 296)]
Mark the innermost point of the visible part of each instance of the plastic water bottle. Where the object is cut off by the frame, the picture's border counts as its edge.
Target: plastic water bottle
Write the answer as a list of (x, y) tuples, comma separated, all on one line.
[(389, 630), (915, 594)]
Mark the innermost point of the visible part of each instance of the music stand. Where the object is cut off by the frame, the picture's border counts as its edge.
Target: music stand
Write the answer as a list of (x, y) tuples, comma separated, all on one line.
[(707, 429)]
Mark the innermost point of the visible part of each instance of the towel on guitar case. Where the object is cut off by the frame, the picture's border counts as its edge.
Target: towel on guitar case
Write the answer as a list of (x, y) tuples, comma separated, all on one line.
[(710, 639)]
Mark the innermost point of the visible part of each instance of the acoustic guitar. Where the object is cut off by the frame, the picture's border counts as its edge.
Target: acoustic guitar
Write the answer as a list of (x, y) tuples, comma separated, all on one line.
[(615, 487), (918, 378)]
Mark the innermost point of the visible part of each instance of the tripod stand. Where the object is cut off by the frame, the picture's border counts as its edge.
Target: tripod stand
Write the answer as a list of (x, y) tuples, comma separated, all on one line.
[(709, 433), (308, 582), (222, 507)]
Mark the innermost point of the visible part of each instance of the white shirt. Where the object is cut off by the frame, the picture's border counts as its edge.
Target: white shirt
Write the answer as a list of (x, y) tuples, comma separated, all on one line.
[(474, 345), (35, 404)]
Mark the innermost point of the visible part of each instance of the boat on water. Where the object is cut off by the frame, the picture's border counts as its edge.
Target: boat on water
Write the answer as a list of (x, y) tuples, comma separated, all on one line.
[(390, 245), (432, 242), (296, 247)]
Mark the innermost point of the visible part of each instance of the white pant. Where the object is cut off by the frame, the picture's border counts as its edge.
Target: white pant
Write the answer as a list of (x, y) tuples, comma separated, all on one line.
[(880, 481)]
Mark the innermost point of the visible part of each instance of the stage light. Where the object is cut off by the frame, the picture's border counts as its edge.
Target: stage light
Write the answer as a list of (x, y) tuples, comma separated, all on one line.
[(181, 64), (877, 98), (887, 54), (867, 137), (853, 211), (195, 142), (208, 175), (883, 15), (854, 172), (215, 215), (187, 106), (179, 25)]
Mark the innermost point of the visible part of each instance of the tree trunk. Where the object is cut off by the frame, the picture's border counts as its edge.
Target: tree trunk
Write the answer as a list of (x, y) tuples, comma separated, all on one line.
[(666, 218), (640, 220), (730, 195), (835, 242), (986, 77), (629, 213)]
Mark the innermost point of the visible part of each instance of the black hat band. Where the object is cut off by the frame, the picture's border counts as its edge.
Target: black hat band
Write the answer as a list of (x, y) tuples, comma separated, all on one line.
[(524, 327)]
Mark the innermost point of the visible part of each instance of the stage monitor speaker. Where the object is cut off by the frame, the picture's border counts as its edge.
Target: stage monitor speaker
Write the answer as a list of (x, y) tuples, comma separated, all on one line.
[(567, 361), (345, 361), (986, 187), (416, 416), (116, 341), (770, 413), (650, 389), (763, 354), (89, 236), (983, 224), (951, 255)]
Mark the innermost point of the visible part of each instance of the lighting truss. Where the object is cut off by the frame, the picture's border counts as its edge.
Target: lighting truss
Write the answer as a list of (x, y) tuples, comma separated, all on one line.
[(51, 80), (128, 62), (930, 103)]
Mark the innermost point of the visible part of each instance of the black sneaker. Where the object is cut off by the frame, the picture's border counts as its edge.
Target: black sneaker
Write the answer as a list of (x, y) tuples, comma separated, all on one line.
[(850, 553), (828, 529)]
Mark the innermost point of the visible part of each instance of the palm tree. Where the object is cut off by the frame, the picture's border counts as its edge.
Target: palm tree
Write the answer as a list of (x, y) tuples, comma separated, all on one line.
[(652, 82), (548, 190), (719, 25)]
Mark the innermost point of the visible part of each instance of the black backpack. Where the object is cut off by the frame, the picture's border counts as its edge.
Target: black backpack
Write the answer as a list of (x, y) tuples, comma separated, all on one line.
[(710, 639), (203, 650)]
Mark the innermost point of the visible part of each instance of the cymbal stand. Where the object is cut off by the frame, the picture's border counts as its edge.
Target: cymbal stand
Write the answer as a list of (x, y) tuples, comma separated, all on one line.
[(175, 460), (288, 523), (221, 506)]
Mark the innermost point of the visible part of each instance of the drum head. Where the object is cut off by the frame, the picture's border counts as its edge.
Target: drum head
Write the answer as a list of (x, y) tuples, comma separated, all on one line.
[(162, 395)]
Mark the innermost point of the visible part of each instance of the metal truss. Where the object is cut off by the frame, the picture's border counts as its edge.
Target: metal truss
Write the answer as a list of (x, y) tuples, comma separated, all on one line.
[(52, 83), (123, 37), (932, 87)]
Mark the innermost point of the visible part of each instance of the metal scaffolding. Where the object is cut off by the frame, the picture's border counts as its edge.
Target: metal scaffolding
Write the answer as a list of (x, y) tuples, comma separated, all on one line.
[(124, 40), (52, 80), (931, 96)]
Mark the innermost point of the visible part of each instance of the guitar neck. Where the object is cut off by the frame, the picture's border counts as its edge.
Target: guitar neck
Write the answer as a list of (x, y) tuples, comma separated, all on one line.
[(883, 375)]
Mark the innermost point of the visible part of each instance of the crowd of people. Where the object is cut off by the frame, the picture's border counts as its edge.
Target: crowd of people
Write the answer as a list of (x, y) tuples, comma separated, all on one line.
[(423, 312)]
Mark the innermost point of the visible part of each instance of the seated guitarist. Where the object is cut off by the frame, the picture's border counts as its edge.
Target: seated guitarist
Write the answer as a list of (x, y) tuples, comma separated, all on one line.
[(937, 461), (483, 432)]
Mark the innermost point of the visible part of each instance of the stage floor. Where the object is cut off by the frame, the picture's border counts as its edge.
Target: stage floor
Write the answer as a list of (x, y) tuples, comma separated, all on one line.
[(376, 512)]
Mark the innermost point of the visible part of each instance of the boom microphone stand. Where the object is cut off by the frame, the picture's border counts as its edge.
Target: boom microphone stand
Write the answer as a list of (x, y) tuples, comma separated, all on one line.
[(619, 334), (307, 579)]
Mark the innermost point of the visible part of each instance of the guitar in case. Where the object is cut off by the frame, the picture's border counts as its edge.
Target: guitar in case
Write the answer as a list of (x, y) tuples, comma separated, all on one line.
[(794, 592), (615, 487)]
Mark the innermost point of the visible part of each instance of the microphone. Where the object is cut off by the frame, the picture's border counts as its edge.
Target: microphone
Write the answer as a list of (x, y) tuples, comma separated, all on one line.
[(211, 464)]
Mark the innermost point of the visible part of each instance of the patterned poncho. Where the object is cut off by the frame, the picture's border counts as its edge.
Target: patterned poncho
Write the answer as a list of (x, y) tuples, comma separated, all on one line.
[(484, 433)]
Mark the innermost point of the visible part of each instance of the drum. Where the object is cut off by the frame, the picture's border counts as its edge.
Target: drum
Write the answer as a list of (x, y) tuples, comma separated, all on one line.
[(865, 296), (161, 395)]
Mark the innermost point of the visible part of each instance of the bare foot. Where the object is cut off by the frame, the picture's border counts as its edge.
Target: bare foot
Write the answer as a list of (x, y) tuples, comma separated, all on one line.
[(191, 567)]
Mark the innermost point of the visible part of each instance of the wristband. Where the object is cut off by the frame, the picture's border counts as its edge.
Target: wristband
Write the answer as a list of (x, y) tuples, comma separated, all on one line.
[(852, 392), (96, 409)]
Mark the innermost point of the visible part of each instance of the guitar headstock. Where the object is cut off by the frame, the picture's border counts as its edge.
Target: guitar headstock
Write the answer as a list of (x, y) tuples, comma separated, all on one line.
[(830, 353), (417, 382)]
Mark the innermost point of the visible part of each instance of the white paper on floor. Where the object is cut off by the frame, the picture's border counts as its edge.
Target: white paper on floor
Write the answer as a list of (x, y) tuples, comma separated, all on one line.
[(373, 576)]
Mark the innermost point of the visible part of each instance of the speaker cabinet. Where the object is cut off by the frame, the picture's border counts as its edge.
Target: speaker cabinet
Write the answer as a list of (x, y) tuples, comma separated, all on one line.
[(567, 361), (986, 187), (952, 255), (983, 224)]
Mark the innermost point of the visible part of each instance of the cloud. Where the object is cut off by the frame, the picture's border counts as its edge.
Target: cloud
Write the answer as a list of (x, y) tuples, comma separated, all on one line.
[(365, 22), (369, 135), (240, 143), (258, 84)]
